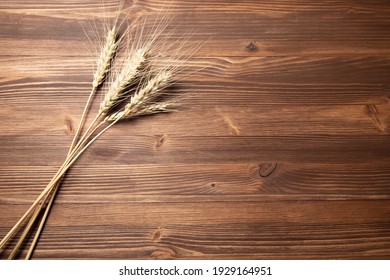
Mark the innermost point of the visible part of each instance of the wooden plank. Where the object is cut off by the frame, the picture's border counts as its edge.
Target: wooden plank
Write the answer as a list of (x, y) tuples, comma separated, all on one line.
[(239, 229), (164, 149), (257, 120), (278, 27), (320, 81), (212, 182)]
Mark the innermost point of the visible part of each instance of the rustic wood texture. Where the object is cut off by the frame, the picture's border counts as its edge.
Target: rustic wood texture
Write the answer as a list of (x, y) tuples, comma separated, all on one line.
[(280, 151)]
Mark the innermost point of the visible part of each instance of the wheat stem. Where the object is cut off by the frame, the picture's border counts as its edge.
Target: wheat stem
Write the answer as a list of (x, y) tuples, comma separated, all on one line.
[(83, 118), (90, 130), (21, 220), (42, 223), (25, 233)]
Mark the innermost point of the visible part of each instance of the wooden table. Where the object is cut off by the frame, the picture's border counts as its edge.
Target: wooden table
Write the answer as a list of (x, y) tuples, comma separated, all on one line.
[(280, 151)]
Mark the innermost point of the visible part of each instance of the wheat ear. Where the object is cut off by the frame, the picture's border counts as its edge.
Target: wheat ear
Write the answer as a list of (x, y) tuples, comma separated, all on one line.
[(140, 101), (105, 57), (125, 78)]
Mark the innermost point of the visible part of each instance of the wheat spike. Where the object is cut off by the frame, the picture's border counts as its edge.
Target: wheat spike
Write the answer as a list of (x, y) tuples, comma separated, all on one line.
[(126, 77), (140, 102), (105, 57), (160, 107), (151, 90)]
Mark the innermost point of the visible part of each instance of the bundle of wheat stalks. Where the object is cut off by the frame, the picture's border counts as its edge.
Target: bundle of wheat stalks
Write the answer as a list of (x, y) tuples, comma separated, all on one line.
[(136, 86)]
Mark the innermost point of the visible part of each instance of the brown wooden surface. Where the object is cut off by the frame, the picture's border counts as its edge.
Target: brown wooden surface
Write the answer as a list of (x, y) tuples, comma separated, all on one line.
[(282, 152)]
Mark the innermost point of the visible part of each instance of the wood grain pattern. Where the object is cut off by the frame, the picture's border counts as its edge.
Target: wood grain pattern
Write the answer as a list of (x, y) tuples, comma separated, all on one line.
[(280, 150)]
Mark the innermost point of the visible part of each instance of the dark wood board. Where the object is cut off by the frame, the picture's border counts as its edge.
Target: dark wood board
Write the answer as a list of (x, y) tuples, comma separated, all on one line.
[(280, 150)]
